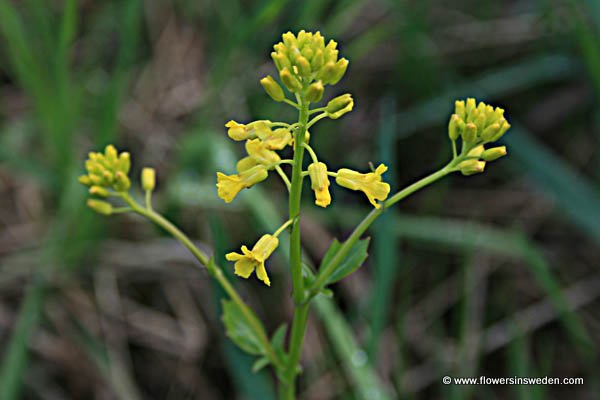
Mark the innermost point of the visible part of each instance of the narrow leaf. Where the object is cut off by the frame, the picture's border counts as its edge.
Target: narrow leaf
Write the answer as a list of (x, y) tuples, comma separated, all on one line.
[(238, 330), (353, 260)]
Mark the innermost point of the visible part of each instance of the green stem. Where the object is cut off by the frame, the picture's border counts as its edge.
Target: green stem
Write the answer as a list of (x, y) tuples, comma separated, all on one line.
[(288, 388), (294, 206), (295, 350), (214, 270), (284, 177), (328, 269)]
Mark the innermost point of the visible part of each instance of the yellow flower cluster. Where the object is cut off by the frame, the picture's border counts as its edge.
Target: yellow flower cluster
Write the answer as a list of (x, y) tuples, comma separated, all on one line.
[(305, 65), (262, 142), (477, 125), (302, 60), (107, 171)]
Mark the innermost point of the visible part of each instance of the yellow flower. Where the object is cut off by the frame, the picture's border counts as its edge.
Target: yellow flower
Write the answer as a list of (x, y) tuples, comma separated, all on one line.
[(275, 140), (254, 260), (228, 186), (320, 183), (237, 131), (260, 153), (369, 183), (241, 132)]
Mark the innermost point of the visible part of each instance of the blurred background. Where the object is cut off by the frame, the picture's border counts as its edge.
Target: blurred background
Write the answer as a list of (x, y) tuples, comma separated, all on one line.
[(495, 274)]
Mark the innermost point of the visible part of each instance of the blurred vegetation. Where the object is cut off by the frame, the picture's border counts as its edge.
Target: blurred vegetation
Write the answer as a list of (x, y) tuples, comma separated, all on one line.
[(493, 275)]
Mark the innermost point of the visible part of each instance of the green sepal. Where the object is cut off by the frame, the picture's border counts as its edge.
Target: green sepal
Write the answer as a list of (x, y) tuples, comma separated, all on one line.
[(238, 330)]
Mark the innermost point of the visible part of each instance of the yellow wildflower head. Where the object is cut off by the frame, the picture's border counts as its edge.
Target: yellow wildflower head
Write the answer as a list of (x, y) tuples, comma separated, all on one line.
[(228, 186), (254, 260), (369, 183), (107, 170), (477, 123), (304, 58), (261, 153), (320, 183)]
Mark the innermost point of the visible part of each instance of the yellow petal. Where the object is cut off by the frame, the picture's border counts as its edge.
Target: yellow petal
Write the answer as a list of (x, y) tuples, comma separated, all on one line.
[(233, 256), (261, 273), (228, 186), (244, 267), (323, 197)]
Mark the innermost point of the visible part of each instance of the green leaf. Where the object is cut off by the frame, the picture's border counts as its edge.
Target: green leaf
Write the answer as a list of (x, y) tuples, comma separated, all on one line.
[(278, 341), (260, 364), (279, 336), (238, 330), (353, 260)]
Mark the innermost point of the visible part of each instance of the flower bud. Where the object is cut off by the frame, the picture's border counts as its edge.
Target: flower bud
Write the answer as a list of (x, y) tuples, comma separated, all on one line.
[(100, 206), (85, 180), (124, 163), (121, 182), (470, 106), (281, 61), (470, 167), (505, 127), (491, 131), (314, 94), (317, 61), (272, 88), (307, 52), (494, 153), (459, 109), (454, 127), (476, 151), (289, 39), (290, 81), (340, 69), (469, 134), (303, 67), (328, 72), (331, 52), (99, 191), (472, 117), (111, 154), (339, 103), (148, 179)]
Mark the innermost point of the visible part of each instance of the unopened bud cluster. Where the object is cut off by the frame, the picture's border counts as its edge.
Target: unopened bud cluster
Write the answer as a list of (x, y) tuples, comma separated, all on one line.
[(477, 125), (106, 171), (108, 175), (306, 65)]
